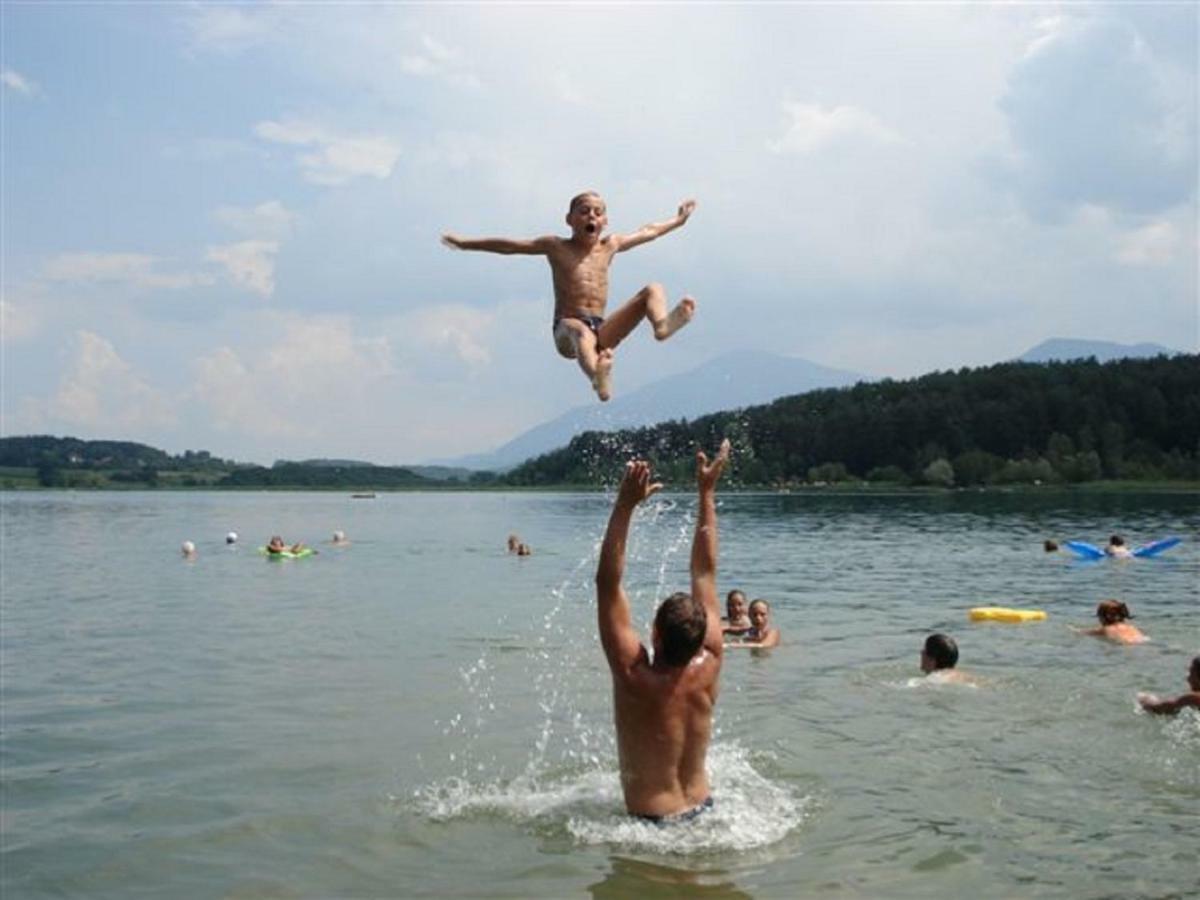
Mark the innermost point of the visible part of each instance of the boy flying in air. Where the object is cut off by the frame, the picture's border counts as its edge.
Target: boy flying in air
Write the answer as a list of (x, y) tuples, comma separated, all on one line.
[(579, 267)]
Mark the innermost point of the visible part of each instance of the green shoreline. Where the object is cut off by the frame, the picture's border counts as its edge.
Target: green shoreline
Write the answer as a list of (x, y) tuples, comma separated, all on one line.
[(1092, 487)]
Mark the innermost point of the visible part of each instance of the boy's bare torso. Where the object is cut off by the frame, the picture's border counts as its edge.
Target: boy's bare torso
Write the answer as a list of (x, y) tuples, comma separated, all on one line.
[(580, 274), (664, 724)]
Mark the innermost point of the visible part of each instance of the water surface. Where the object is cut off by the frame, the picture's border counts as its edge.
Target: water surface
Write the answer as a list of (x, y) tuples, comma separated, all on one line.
[(421, 714)]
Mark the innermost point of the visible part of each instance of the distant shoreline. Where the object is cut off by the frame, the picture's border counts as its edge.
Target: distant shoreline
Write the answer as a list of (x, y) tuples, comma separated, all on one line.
[(1091, 487)]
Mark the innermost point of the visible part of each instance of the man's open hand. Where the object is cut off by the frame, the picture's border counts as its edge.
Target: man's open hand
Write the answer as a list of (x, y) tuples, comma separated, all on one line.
[(636, 486), (707, 473)]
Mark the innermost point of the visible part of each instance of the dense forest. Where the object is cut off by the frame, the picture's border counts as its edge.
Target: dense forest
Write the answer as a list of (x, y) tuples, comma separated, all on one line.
[(1014, 423), (1011, 423)]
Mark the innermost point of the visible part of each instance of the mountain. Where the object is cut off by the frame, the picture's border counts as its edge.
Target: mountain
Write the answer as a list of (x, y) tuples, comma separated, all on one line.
[(731, 381), (1065, 349)]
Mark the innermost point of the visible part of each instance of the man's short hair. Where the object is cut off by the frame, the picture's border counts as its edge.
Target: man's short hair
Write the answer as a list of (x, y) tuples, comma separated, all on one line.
[(579, 198), (681, 623), (942, 649)]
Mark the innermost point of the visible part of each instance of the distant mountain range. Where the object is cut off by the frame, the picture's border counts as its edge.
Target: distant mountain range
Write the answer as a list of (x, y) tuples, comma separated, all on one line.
[(1063, 349), (732, 381)]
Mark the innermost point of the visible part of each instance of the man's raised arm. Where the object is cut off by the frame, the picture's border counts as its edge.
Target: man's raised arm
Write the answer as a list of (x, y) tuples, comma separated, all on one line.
[(617, 634), (704, 547), (507, 246), (656, 229)]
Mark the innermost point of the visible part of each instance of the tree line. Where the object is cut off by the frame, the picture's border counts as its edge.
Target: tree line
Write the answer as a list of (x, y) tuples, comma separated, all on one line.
[(1012, 423)]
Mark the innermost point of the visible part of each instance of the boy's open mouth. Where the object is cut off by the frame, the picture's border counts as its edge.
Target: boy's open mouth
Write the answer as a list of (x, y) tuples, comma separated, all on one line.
[(591, 227)]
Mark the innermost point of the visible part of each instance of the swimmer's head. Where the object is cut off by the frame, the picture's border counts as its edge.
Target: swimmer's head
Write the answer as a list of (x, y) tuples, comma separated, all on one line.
[(513, 543), (1050, 546), (587, 214), (1194, 674), (1111, 612), (679, 628), (735, 604), (760, 611), (339, 537), (187, 548), (524, 550), (940, 652), (231, 538), (1116, 541)]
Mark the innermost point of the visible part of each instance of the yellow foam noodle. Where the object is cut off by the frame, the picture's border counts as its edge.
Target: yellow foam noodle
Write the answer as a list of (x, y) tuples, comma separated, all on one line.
[(1004, 614)]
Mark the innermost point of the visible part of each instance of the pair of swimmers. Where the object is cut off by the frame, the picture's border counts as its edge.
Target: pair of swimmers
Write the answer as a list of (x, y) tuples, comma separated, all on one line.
[(748, 625), (1114, 626), (519, 547), (1115, 548)]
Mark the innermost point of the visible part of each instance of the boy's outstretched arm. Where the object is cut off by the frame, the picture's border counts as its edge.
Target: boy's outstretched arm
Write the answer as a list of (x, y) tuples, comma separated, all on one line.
[(656, 229), (622, 647), (705, 545), (531, 247)]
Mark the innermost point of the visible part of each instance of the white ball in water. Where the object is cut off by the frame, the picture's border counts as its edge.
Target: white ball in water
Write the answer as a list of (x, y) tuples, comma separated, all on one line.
[(231, 538)]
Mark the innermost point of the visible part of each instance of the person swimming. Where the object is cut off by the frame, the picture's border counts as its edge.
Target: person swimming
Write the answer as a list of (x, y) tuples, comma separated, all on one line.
[(1114, 625), (1170, 706), (1117, 549), (939, 657), (736, 621)]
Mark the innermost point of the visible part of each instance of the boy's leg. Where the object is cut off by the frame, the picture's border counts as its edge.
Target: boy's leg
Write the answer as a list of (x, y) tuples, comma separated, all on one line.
[(575, 340), (648, 303)]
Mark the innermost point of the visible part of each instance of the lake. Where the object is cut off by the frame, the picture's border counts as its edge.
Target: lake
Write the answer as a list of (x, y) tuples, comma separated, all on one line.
[(421, 714)]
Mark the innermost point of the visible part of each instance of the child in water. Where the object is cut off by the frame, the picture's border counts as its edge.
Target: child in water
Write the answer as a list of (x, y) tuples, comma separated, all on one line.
[(276, 546), (736, 623), (579, 269), (1116, 548), (1114, 625), (1170, 706), (761, 632)]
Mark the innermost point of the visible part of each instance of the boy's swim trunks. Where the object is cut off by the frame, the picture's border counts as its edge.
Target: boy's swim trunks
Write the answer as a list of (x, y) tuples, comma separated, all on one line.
[(564, 338)]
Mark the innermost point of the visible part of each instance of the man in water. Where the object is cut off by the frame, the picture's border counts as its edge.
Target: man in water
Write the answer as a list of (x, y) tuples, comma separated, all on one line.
[(939, 657), (579, 268), (663, 706)]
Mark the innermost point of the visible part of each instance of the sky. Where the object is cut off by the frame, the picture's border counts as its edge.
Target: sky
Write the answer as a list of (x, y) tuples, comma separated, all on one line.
[(219, 223)]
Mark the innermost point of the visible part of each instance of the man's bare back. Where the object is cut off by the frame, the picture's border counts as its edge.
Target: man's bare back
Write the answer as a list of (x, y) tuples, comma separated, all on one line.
[(579, 269), (663, 708)]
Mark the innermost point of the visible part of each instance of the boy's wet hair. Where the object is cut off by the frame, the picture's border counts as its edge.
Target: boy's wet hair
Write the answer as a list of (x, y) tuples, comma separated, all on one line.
[(1110, 612), (1196, 664), (942, 649), (760, 602), (1049, 546), (681, 623), (1116, 541), (579, 198)]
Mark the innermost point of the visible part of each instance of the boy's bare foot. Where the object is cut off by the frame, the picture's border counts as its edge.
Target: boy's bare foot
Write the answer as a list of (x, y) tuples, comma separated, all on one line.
[(676, 319), (602, 381)]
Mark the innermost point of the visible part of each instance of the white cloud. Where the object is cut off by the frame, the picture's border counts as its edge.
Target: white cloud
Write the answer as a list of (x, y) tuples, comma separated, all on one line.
[(436, 60), (266, 220), (228, 28), (461, 331), (131, 268), (315, 376), (15, 81), (335, 159), (1151, 245), (813, 127), (17, 322), (249, 264), (101, 389)]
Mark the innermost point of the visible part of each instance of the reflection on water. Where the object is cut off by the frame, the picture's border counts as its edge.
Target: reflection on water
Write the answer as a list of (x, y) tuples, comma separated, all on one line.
[(639, 878)]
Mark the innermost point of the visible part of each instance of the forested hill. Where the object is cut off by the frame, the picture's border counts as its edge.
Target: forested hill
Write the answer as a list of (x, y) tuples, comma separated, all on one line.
[(1010, 423)]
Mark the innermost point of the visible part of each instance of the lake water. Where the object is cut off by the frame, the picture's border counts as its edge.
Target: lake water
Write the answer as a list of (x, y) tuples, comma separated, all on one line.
[(421, 714)]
